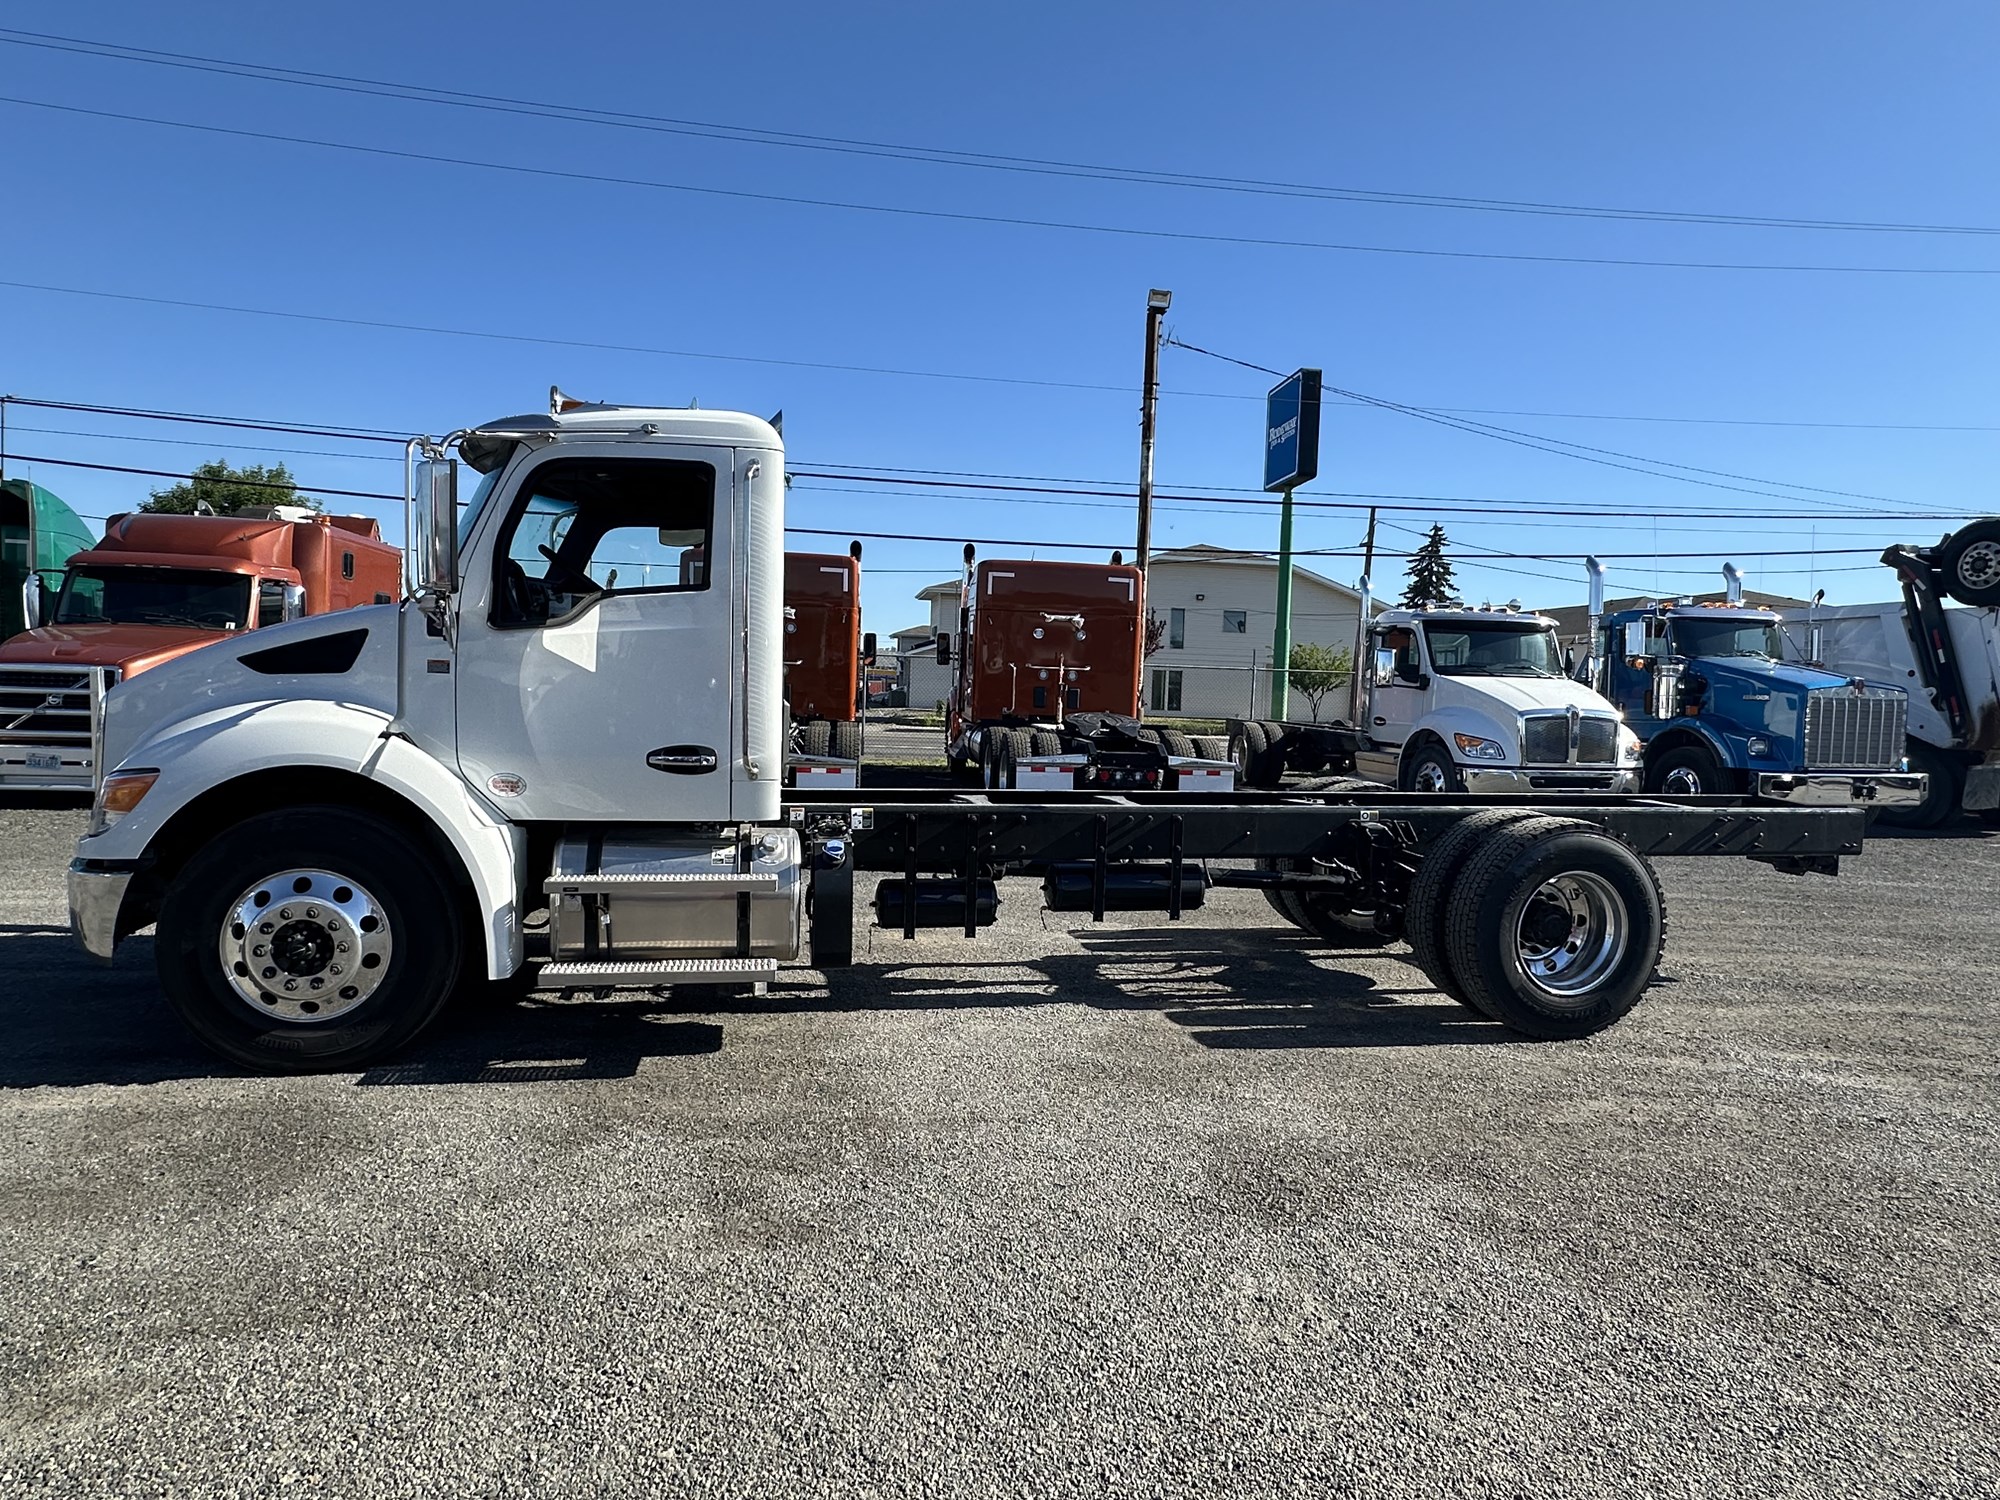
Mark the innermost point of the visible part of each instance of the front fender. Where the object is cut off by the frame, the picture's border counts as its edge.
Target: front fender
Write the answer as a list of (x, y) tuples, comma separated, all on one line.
[(1693, 732), (1458, 718), (209, 751)]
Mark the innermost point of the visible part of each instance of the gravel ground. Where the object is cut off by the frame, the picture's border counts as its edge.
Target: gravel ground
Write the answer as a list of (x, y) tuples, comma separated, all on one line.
[(1124, 1210)]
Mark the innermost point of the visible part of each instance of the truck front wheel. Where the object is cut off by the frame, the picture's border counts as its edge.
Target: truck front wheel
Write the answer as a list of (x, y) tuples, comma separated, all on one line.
[(1429, 768), (1942, 791), (1690, 771), (314, 939)]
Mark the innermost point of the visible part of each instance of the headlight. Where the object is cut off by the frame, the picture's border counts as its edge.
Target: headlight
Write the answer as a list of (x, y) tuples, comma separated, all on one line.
[(119, 793), (1759, 746), (1474, 748)]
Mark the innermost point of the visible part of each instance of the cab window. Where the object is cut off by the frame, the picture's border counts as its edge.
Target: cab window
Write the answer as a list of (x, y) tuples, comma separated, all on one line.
[(585, 529)]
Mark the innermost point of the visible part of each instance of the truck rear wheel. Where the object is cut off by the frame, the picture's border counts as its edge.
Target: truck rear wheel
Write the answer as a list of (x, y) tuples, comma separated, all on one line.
[(1260, 755), (1045, 742), (1970, 564), (1212, 746), (1431, 893), (1176, 743), (845, 740), (318, 938), (1013, 745), (815, 736), (1555, 928)]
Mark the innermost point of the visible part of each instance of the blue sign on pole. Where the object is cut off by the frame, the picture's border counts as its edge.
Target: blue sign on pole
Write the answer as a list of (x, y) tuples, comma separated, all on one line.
[(1291, 431)]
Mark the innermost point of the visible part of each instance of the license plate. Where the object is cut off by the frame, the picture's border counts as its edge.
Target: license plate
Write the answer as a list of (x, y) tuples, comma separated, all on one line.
[(44, 762)]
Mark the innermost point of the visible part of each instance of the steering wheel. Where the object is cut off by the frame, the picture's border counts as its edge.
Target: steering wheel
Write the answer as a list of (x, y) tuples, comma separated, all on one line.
[(526, 599), (558, 570)]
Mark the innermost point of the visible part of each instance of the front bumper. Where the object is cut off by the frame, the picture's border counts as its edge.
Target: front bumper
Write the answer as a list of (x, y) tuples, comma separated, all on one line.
[(1492, 781), (96, 898), (1843, 788)]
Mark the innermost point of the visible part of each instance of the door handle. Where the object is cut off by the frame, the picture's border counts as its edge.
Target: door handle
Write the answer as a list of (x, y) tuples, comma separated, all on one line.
[(1380, 720), (684, 760)]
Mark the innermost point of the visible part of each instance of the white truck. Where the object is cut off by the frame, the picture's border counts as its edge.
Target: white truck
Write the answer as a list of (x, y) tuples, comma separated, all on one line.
[(529, 770), (1456, 700), (1948, 659)]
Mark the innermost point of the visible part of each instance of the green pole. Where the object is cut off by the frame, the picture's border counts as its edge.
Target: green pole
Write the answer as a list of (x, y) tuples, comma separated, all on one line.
[(1281, 633)]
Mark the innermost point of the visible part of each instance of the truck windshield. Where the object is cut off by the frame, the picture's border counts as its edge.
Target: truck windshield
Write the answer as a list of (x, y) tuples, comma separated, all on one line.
[(1693, 637), (154, 596), (1475, 648)]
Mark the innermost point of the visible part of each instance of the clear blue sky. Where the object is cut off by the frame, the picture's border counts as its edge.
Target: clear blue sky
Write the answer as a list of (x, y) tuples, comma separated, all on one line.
[(1875, 112)]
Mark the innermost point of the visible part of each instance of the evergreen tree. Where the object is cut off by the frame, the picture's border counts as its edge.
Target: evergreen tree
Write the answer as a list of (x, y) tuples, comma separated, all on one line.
[(1430, 582)]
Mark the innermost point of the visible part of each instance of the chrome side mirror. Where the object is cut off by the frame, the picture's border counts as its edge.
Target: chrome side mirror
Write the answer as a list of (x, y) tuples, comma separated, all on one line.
[(943, 649), (295, 601), (1635, 638), (31, 600), (435, 534)]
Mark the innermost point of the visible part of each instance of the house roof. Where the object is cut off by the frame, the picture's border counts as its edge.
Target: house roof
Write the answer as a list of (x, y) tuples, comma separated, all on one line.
[(948, 588)]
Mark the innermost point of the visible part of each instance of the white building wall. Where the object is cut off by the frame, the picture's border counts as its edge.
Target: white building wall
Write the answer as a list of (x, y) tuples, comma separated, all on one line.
[(1224, 672)]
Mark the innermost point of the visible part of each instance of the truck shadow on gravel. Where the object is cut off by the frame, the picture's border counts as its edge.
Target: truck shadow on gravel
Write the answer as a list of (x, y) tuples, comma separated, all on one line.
[(66, 1021), (1241, 989)]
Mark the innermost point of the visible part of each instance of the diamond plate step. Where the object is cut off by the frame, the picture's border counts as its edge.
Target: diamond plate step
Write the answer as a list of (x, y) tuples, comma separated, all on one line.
[(720, 883), (644, 973)]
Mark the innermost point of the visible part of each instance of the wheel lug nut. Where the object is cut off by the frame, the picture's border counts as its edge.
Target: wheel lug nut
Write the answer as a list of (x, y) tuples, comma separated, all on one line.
[(333, 968), (284, 913), (291, 984), (319, 984), (341, 946), (259, 951), (312, 913), (267, 928), (269, 972), (333, 924)]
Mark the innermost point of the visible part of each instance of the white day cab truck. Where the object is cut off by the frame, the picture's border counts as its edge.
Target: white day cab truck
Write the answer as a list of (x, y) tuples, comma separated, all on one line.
[(523, 773), (1473, 701)]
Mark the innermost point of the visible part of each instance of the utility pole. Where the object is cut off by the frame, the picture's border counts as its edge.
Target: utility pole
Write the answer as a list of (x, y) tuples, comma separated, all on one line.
[(1157, 303)]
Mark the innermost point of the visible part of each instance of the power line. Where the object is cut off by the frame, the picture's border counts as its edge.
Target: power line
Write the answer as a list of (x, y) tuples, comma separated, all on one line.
[(210, 443), (1561, 447), (932, 155), (310, 489), (1068, 226)]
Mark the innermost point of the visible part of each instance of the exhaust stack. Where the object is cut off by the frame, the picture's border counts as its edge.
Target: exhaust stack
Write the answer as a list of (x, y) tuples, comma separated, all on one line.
[(1593, 664), (1732, 581)]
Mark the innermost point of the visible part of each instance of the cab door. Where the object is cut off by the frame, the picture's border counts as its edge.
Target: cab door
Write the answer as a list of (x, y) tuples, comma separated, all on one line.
[(595, 665), (1397, 697)]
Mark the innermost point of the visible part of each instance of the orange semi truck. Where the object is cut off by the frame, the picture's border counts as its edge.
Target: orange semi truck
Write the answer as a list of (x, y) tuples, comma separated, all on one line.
[(825, 652), (1046, 692), (157, 587)]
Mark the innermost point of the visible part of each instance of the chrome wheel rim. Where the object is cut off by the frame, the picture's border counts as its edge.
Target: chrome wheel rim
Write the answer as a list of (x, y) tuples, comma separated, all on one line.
[(1979, 565), (305, 946), (1430, 777), (1571, 936), (1681, 781)]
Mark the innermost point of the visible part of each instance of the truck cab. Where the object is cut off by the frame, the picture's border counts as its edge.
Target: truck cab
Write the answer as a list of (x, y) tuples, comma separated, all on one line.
[(155, 588), (1720, 711), (1475, 700)]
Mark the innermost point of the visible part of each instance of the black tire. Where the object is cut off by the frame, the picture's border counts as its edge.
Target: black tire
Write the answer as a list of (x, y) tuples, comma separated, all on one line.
[(1969, 564), (815, 737), (1689, 771), (419, 923), (1266, 762), (1493, 943), (1942, 792), (845, 741), (1015, 745), (1176, 743), (1285, 903), (1429, 759), (1045, 742), (1212, 746), (1431, 893), (1245, 746)]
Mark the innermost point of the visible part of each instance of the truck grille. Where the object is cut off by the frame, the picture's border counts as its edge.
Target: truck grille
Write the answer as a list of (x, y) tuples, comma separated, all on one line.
[(1545, 740), (1850, 731), (1597, 742), (48, 705)]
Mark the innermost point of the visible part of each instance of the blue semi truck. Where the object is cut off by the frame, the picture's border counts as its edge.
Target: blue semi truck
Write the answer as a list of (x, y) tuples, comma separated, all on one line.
[(1706, 687)]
